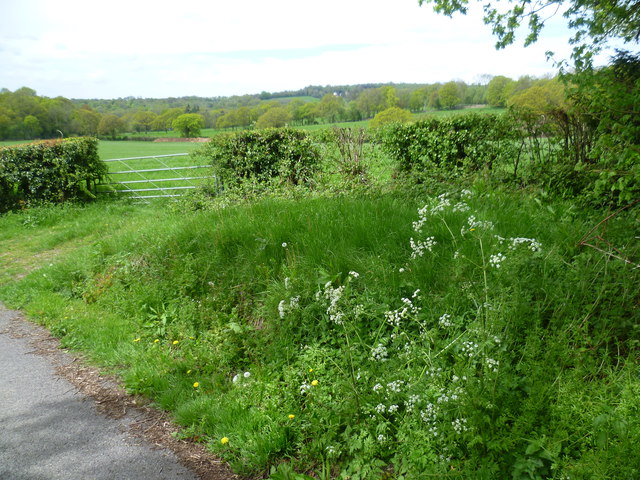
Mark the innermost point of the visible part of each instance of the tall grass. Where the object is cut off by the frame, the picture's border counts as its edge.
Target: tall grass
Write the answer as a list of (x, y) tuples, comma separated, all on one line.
[(365, 336)]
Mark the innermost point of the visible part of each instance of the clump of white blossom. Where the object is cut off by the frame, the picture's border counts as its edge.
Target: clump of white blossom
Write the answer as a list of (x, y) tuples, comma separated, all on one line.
[(379, 353), (284, 307), (395, 317), (418, 247), (496, 260), (333, 295)]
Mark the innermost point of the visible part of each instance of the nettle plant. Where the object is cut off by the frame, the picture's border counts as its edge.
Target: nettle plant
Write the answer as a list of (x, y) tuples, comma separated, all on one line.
[(415, 385)]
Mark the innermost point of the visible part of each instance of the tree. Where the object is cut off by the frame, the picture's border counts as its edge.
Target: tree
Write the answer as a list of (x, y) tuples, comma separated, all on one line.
[(166, 118), (499, 90), (596, 23), (449, 95), (86, 121), (143, 120), (330, 107), (31, 126), (390, 115), (189, 124), (274, 117), (110, 125)]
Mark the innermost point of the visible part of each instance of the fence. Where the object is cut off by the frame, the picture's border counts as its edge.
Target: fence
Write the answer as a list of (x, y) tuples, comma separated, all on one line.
[(155, 176)]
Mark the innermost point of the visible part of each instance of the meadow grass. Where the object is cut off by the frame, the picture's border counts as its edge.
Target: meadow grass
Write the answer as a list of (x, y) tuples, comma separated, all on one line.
[(368, 335)]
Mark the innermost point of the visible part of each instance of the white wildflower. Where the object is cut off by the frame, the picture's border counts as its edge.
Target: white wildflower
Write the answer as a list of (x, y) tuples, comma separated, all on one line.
[(459, 425), (496, 260), (469, 348), (395, 386), (418, 247), (379, 353), (531, 243), (493, 364), (445, 321)]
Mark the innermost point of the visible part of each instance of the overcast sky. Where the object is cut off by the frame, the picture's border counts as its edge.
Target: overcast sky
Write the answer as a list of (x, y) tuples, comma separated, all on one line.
[(162, 48)]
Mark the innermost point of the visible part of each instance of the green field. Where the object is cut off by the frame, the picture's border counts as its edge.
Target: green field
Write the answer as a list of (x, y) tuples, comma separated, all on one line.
[(126, 149)]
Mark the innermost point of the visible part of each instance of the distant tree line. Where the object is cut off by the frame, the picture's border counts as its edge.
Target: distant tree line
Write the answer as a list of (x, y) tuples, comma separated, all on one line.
[(25, 115)]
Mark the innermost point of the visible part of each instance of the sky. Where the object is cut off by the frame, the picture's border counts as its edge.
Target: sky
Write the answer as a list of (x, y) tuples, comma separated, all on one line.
[(210, 48)]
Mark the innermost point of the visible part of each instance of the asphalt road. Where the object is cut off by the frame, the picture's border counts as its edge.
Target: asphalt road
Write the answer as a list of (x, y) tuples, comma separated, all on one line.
[(50, 431)]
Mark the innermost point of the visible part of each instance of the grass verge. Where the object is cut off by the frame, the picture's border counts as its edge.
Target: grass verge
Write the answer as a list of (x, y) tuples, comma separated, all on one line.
[(371, 336)]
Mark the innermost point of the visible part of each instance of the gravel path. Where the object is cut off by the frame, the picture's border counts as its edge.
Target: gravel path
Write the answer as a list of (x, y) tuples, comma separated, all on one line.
[(50, 430)]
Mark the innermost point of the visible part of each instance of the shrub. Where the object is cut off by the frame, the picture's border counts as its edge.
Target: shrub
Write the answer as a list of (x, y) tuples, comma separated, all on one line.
[(390, 115), (450, 146), (262, 156), (49, 171)]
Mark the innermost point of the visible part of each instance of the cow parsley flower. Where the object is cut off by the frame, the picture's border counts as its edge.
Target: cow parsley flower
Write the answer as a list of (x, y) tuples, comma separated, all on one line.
[(379, 353), (418, 247), (445, 321), (496, 260)]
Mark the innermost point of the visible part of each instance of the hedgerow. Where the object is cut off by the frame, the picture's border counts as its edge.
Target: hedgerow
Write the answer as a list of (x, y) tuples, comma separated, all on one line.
[(262, 156), (49, 171), (449, 147)]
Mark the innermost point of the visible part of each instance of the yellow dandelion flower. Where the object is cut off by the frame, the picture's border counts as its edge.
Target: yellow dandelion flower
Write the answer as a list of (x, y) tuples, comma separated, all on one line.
[(175, 342), (157, 340), (291, 416), (314, 383), (310, 370), (224, 440), (472, 229), (137, 339), (196, 384), (188, 372)]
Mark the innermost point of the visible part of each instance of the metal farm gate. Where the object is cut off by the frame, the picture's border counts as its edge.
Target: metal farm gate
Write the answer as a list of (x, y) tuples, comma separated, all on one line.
[(155, 176)]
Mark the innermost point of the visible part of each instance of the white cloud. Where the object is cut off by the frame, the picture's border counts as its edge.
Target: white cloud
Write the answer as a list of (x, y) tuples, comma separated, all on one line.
[(209, 47)]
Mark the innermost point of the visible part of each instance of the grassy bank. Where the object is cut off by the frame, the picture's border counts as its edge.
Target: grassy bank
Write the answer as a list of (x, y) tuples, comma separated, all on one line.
[(371, 336)]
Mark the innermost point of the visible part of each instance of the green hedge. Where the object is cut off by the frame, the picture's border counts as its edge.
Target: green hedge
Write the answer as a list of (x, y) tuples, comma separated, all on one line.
[(261, 156), (451, 145), (49, 171)]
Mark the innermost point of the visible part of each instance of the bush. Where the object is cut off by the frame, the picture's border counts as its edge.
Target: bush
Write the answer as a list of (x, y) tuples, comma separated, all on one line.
[(451, 146), (286, 155), (49, 171), (390, 115)]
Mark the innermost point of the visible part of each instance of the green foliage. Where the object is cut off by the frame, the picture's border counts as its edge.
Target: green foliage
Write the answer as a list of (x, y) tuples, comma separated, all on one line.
[(499, 90), (188, 124), (390, 115), (49, 171), (274, 117), (284, 155), (610, 98), (461, 334), (449, 95), (449, 146)]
